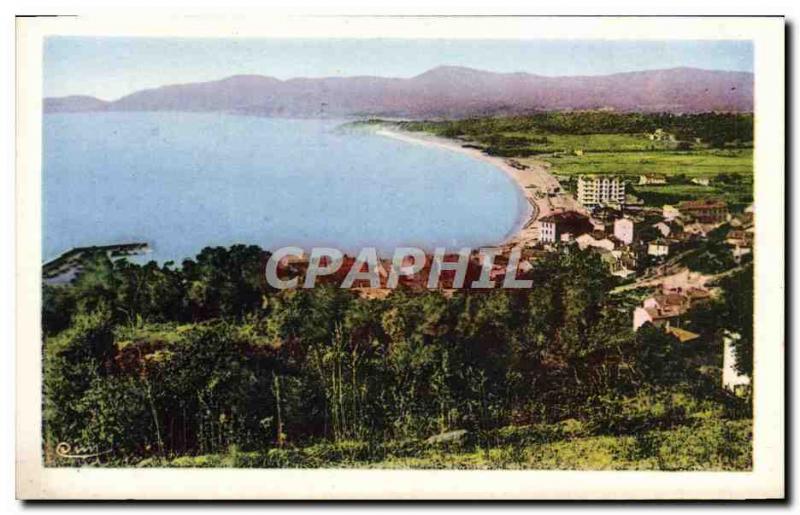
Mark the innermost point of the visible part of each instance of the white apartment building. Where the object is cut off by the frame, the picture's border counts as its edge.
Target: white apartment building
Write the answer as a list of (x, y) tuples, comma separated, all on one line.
[(594, 190)]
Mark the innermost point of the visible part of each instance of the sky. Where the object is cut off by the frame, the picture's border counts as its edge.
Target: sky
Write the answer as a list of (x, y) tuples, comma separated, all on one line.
[(111, 67)]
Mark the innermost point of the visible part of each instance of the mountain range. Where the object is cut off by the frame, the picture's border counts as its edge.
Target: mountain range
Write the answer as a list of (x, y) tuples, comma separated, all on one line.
[(442, 92)]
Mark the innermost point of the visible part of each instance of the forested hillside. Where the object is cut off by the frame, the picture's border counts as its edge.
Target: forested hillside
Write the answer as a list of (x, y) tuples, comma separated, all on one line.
[(202, 365)]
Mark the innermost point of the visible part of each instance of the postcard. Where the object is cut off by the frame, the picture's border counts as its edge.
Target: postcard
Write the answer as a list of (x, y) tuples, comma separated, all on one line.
[(400, 258)]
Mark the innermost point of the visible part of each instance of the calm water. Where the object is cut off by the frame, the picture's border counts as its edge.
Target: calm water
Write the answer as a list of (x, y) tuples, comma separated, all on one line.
[(185, 181)]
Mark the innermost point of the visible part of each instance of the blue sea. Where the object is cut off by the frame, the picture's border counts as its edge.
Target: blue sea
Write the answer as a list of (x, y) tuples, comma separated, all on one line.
[(184, 181)]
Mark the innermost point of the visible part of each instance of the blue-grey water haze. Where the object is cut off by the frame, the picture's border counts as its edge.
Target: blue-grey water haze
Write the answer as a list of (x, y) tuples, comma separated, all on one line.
[(183, 181)]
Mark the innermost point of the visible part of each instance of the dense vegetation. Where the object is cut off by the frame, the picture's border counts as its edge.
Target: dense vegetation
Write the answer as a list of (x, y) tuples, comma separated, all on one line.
[(717, 130), (201, 365)]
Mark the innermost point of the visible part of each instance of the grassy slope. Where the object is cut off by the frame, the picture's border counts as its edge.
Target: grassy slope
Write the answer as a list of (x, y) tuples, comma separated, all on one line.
[(710, 444)]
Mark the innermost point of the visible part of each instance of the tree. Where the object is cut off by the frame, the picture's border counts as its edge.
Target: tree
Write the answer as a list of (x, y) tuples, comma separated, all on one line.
[(58, 306), (74, 362), (657, 356), (150, 292), (225, 282)]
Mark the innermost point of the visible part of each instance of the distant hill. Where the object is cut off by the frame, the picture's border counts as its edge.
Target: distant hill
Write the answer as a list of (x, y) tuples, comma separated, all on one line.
[(446, 91), (74, 104)]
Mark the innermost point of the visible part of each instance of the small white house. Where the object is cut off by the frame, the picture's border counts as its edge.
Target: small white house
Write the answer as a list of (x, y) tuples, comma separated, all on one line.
[(641, 316), (663, 228), (732, 380), (658, 248), (652, 179), (670, 213), (739, 252)]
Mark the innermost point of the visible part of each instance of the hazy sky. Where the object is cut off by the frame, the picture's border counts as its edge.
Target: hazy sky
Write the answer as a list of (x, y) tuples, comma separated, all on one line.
[(111, 67)]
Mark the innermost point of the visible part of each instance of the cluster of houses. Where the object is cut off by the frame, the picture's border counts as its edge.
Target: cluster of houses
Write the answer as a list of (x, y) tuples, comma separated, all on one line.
[(610, 235), (631, 237), (695, 219), (742, 235), (684, 222), (624, 238), (667, 309)]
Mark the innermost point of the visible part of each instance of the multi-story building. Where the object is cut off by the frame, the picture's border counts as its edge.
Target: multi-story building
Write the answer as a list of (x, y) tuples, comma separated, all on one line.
[(596, 190), (553, 227)]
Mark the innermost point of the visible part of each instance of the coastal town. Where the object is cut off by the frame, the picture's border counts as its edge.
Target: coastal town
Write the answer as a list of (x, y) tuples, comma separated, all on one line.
[(647, 247), (631, 321)]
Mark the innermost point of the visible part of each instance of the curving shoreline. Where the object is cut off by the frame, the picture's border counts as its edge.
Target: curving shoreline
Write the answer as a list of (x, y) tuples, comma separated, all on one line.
[(530, 181)]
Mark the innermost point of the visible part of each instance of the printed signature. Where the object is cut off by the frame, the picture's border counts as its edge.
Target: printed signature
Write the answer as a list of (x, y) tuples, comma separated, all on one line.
[(65, 450)]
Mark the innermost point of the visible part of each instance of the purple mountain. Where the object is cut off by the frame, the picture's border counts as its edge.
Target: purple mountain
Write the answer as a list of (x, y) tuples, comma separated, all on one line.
[(446, 91)]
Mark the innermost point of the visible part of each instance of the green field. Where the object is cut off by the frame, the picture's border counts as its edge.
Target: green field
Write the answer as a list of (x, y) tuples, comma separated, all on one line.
[(736, 195), (694, 163), (730, 172)]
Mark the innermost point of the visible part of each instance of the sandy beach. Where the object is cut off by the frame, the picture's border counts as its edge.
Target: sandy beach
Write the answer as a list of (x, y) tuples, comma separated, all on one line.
[(534, 182)]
